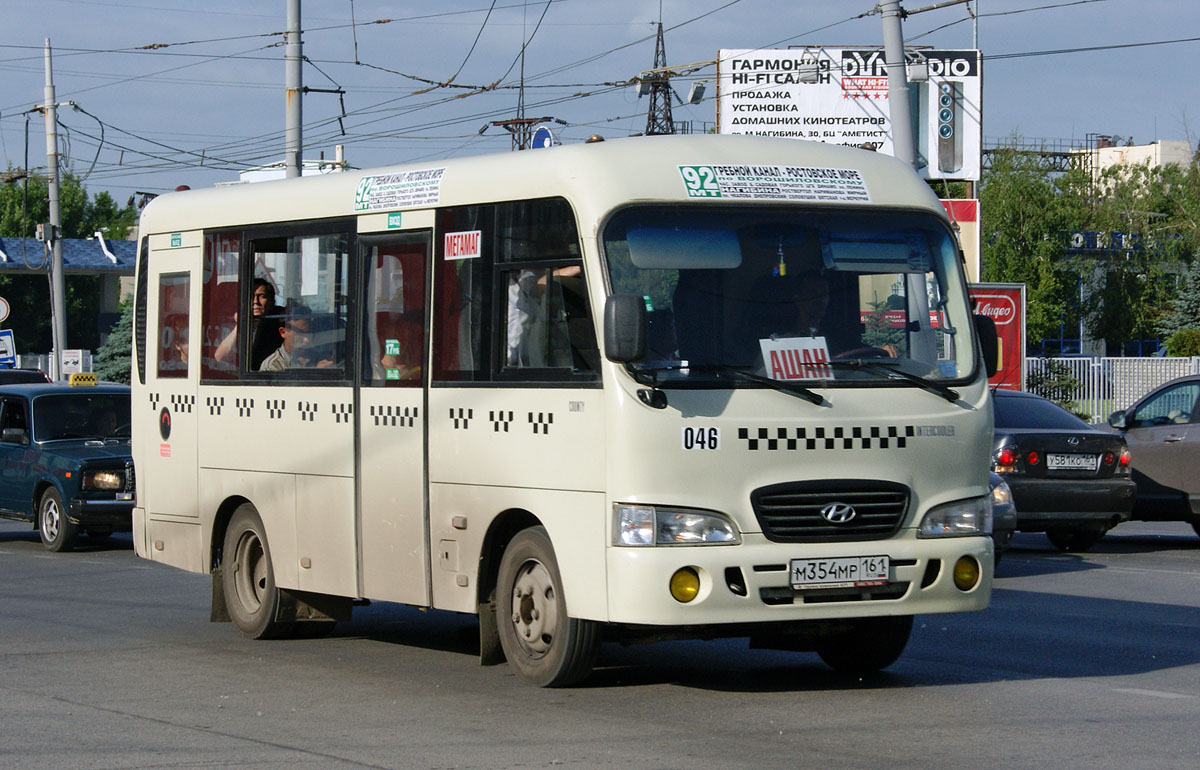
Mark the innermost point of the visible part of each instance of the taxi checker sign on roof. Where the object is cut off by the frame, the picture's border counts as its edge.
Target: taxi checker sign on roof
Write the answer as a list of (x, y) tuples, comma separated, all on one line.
[(781, 183), (400, 190)]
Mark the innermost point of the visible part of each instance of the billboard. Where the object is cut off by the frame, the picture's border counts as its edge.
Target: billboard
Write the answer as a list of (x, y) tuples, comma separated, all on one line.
[(840, 96), (1004, 303)]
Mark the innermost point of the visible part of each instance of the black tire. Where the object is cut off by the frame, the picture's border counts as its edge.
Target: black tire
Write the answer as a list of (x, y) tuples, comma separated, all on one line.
[(248, 578), (1076, 539), (873, 645), (543, 644), (56, 530)]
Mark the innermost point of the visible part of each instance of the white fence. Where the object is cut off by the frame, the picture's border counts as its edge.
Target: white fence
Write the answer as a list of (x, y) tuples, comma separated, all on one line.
[(1106, 385)]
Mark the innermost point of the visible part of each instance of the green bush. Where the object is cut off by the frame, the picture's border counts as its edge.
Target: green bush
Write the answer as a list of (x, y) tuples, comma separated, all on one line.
[(1055, 382), (1185, 342)]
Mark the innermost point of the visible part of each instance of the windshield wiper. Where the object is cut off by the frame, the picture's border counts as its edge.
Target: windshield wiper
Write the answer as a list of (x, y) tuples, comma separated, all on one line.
[(783, 386), (945, 392)]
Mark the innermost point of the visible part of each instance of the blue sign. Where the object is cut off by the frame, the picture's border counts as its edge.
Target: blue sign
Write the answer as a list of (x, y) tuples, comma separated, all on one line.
[(542, 137), (8, 348)]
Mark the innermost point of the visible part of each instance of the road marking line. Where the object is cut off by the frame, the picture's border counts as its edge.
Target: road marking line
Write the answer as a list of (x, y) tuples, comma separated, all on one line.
[(1152, 693)]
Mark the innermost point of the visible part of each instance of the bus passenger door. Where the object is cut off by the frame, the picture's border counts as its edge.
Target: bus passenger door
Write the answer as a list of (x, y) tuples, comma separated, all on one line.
[(391, 454)]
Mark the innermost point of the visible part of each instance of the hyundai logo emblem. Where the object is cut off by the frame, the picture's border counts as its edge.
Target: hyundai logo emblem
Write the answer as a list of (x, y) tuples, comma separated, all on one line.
[(838, 513)]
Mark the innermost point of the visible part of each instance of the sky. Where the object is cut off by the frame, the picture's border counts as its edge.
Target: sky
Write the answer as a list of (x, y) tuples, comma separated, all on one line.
[(191, 93)]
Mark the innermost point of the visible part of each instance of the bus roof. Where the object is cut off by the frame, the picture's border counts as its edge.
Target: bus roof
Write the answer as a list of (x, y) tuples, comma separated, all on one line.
[(594, 177)]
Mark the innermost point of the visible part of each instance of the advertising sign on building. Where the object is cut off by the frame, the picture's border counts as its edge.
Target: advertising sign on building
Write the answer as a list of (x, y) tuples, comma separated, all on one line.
[(1004, 303), (840, 96), (964, 213)]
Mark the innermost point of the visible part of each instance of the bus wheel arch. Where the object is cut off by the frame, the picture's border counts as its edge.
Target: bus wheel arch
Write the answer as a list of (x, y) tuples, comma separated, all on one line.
[(543, 644), (500, 532), (248, 577)]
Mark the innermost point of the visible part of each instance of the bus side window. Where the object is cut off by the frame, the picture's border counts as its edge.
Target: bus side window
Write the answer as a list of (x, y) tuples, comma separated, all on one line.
[(219, 306), (394, 322), (173, 298)]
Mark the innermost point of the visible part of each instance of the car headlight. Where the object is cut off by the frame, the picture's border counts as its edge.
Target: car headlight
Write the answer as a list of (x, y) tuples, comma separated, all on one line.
[(958, 519), (103, 480), (1001, 494), (641, 525)]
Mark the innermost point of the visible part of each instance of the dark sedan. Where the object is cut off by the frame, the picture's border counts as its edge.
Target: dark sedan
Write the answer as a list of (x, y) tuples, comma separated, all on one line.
[(65, 463), (1069, 479), (1162, 431)]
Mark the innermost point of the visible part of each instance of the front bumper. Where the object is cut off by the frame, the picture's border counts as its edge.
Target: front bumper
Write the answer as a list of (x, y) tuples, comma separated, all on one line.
[(920, 581), (1044, 503), (114, 514)]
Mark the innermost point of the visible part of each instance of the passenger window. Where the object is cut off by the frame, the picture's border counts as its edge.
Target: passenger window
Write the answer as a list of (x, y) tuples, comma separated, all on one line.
[(464, 253), (13, 416), (1173, 406), (219, 344), (394, 322), (309, 275), (173, 336)]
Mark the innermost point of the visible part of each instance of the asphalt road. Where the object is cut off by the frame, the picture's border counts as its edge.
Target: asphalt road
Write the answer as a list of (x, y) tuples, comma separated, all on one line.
[(1083, 661)]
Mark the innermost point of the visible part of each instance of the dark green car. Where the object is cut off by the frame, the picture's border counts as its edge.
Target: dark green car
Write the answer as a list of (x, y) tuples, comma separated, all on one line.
[(65, 461)]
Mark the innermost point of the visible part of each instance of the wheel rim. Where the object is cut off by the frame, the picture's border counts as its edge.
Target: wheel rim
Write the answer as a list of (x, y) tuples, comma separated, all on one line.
[(250, 567), (535, 608), (51, 516)]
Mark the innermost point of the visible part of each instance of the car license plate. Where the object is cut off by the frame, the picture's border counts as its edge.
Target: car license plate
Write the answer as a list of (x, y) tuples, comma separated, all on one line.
[(1057, 462), (844, 572)]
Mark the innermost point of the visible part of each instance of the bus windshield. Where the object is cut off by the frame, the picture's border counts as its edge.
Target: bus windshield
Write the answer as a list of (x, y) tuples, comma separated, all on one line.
[(836, 296)]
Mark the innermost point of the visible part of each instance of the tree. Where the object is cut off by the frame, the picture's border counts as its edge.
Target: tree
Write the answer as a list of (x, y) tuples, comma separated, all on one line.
[(1023, 213), (112, 362), (24, 203), (1184, 308)]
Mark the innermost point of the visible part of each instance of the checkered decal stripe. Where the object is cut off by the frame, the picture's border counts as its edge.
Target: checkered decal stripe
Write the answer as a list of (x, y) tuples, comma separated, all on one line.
[(791, 439), (541, 422), (245, 406), (275, 407), (462, 418), (405, 417), (215, 404), (182, 404), (342, 412), (308, 411), (500, 420)]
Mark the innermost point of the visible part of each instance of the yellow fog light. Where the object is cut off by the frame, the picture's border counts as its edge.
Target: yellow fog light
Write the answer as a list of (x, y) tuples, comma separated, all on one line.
[(966, 573), (685, 584)]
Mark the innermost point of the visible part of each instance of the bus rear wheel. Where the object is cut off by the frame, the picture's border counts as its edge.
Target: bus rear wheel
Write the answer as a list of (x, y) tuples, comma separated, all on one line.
[(543, 644), (871, 645), (248, 578)]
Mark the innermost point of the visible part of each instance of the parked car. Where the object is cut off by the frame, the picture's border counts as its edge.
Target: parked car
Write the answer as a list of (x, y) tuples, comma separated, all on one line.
[(1069, 479), (15, 376), (1162, 432), (65, 463), (1004, 515)]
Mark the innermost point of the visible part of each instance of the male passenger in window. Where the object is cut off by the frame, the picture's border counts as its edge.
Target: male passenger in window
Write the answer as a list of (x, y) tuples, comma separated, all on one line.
[(264, 326), (295, 334)]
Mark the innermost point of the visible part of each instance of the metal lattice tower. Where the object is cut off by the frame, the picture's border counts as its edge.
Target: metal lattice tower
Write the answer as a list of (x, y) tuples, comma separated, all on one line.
[(658, 121)]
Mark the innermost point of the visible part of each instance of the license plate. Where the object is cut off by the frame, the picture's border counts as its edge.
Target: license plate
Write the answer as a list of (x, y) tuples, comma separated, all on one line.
[(1072, 462), (844, 572)]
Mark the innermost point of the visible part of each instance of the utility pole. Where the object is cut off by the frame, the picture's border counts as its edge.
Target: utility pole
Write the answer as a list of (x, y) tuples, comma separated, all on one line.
[(658, 120), (294, 115), (903, 146), (57, 302)]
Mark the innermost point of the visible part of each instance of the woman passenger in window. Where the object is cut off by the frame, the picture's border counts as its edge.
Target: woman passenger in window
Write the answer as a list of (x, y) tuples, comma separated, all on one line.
[(264, 327)]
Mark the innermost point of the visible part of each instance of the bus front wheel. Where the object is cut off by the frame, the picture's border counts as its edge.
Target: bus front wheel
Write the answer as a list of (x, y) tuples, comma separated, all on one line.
[(871, 645), (248, 578), (543, 644)]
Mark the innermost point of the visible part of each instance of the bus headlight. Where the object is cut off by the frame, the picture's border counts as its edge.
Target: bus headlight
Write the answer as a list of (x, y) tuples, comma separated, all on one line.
[(958, 519), (103, 480), (641, 525)]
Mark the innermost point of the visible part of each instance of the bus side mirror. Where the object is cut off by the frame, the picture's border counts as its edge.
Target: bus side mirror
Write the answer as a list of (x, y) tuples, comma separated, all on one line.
[(624, 328), (989, 345)]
